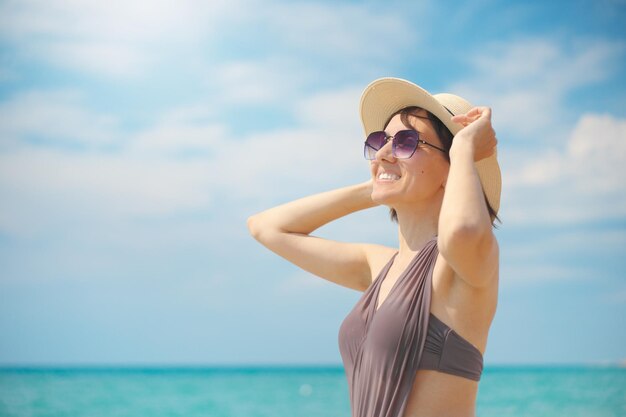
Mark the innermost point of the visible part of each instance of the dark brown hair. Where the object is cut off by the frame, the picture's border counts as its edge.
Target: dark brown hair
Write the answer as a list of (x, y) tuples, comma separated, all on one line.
[(445, 136)]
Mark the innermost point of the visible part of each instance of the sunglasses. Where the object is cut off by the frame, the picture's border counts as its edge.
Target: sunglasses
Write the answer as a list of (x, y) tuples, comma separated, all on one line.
[(403, 145)]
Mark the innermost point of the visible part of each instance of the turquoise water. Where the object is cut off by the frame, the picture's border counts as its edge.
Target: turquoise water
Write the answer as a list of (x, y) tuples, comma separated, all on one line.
[(288, 391)]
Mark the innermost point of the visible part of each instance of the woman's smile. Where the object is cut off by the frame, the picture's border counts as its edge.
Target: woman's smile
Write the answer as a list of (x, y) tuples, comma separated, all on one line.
[(387, 176)]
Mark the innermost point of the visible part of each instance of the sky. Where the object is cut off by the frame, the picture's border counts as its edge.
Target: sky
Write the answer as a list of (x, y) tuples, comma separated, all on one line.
[(136, 137)]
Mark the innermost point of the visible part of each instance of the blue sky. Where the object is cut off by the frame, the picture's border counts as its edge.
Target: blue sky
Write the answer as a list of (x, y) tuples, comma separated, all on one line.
[(136, 137)]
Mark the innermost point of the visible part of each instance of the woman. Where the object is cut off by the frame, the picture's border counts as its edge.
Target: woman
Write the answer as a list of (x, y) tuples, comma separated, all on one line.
[(413, 345)]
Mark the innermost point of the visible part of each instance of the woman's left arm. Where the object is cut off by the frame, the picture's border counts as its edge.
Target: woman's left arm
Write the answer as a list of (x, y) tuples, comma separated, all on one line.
[(466, 239)]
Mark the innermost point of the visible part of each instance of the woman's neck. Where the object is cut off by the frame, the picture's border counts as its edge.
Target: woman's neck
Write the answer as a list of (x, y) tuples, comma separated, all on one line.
[(416, 226)]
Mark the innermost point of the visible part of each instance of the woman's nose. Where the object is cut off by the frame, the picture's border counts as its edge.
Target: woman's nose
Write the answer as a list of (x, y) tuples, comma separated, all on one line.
[(386, 152)]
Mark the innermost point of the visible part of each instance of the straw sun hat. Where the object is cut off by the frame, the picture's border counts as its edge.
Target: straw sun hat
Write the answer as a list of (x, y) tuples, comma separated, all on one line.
[(385, 96)]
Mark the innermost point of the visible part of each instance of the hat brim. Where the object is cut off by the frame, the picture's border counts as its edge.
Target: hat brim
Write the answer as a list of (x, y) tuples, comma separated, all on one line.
[(386, 96)]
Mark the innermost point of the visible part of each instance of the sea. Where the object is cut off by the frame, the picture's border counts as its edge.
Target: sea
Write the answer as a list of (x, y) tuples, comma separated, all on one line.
[(289, 391)]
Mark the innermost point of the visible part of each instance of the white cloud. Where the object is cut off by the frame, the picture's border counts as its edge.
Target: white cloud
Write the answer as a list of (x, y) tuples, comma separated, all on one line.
[(64, 166), (99, 184), (312, 45), (597, 155), (127, 39), (55, 116), (325, 150), (265, 81), (340, 30), (581, 182), (537, 260), (296, 159), (179, 164), (566, 173), (114, 19), (172, 139), (116, 59), (333, 109), (546, 63), (114, 38), (526, 81)]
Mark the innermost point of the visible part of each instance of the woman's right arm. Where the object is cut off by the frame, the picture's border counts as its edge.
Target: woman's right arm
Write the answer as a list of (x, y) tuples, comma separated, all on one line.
[(286, 229)]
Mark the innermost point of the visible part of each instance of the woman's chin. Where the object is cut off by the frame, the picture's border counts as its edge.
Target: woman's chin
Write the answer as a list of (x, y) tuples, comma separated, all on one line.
[(382, 197)]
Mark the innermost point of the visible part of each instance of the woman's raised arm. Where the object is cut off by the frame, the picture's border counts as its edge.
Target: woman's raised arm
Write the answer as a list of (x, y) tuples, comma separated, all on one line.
[(285, 230), (466, 238)]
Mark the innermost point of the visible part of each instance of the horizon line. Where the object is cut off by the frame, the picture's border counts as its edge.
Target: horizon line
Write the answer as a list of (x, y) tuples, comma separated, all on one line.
[(267, 365)]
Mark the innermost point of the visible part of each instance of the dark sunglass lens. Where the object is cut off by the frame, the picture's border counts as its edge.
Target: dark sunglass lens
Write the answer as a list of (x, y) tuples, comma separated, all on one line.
[(373, 143), (406, 143), (376, 140)]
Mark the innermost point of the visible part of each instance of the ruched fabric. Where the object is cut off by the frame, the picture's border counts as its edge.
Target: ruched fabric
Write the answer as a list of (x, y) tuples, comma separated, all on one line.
[(381, 349), (446, 351)]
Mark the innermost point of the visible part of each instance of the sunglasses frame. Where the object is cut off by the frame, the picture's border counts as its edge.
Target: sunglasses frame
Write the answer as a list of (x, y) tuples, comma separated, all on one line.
[(394, 142)]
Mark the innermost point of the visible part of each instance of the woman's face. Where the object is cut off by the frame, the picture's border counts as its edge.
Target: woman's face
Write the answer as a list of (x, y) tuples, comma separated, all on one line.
[(405, 182)]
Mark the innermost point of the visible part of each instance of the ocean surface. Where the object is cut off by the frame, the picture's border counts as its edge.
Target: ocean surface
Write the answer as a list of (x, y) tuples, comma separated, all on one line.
[(273, 391)]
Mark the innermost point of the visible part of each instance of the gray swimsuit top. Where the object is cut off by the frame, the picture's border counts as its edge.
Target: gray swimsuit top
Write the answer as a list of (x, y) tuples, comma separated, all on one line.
[(383, 349)]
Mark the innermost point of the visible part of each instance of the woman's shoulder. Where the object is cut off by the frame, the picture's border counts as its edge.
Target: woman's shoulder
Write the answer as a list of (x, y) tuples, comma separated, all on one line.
[(377, 257)]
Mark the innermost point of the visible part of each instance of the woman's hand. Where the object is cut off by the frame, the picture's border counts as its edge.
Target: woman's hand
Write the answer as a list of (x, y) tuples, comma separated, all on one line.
[(477, 132)]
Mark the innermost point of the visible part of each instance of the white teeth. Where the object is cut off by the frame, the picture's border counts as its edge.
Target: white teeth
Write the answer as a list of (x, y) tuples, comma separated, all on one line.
[(387, 176)]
